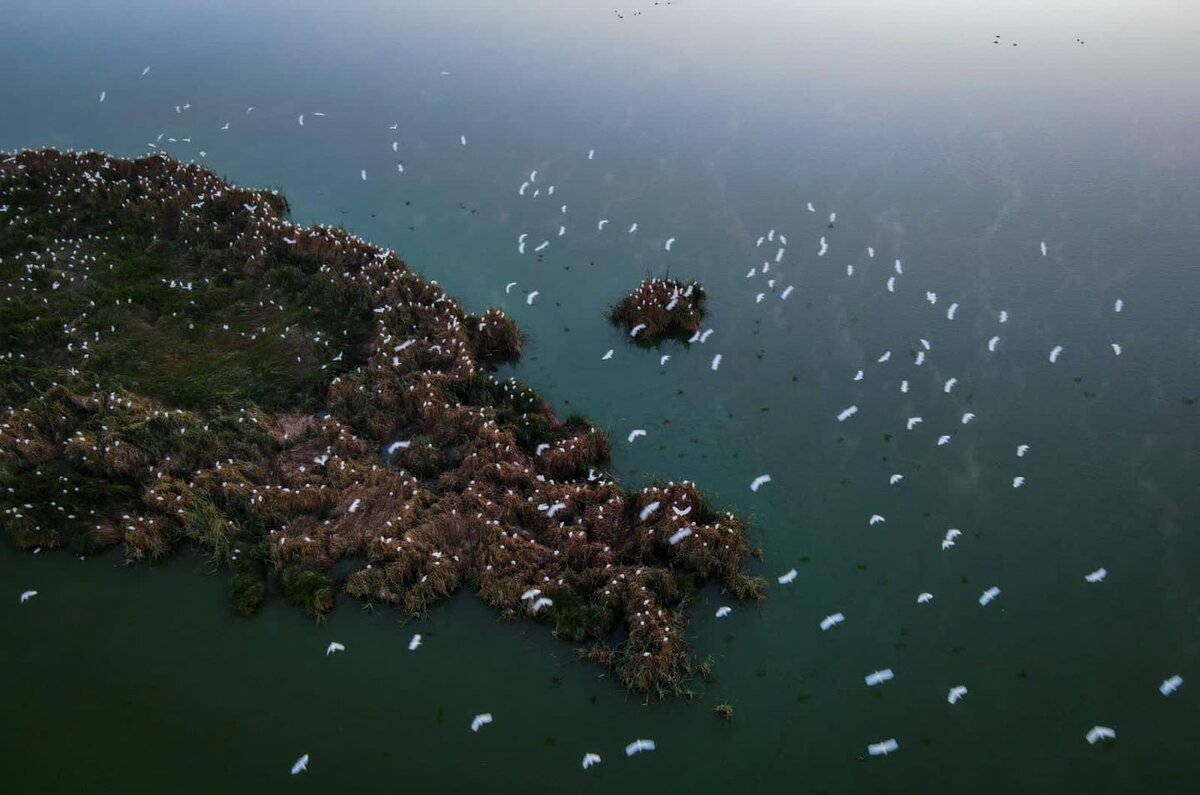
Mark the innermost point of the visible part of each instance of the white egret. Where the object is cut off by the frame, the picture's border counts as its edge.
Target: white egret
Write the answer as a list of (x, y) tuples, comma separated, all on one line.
[(876, 519), (847, 413), (956, 693), (635, 433), (27, 595), (637, 746), (1096, 576), (1055, 352), (759, 482), (332, 647), (723, 611), (786, 579), (989, 595), (884, 748), (644, 514), (481, 720), (829, 622), (924, 598), (1098, 733), (300, 765), (590, 759), (1170, 685), (415, 643), (879, 677), (679, 535), (529, 298)]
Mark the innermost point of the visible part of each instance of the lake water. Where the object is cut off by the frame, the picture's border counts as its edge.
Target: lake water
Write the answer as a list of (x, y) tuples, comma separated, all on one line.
[(711, 123)]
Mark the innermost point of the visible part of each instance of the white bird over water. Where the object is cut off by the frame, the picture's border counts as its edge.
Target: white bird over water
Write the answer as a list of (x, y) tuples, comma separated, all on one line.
[(633, 332), (415, 643), (1043, 248), (723, 611), (590, 759), (1118, 305), (301, 120), (1018, 481), (1116, 349), (992, 343), (363, 174), (966, 418), (146, 71), (1170, 685), (786, 292), (1098, 733), (884, 748), (956, 693), (811, 209), (1096, 576), (591, 154), (716, 362), (829, 622), (847, 413), (607, 356), (891, 284), (300, 765), (103, 94), (949, 385), (870, 252), (823, 247), (879, 677), (508, 287), (894, 479), (987, 596), (1022, 449), (759, 481), (635, 433), (952, 311), (924, 598), (633, 228), (1003, 315), (637, 746), (462, 139), (884, 358), (668, 244), (913, 422), (27, 595), (788, 578), (1055, 352), (481, 720), (529, 298), (332, 647), (876, 519)]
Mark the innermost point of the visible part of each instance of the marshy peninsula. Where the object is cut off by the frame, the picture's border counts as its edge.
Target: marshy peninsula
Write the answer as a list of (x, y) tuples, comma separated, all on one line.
[(183, 365)]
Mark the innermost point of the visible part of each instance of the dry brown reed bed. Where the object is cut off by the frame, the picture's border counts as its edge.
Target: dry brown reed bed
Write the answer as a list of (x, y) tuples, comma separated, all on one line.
[(660, 309), (429, 472)]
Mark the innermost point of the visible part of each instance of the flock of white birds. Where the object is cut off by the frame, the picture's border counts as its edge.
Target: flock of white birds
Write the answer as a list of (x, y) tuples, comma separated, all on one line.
[(768, 282)]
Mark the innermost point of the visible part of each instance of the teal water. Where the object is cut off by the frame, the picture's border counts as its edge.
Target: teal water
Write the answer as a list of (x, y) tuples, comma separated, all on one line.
[(712, 123)]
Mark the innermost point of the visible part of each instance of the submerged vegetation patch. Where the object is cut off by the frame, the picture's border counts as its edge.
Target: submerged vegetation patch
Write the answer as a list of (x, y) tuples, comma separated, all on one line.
[(181, 364), (661, 309)]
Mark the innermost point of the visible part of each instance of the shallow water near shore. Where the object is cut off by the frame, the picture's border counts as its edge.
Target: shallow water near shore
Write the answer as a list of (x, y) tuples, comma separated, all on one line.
[(712, 124)]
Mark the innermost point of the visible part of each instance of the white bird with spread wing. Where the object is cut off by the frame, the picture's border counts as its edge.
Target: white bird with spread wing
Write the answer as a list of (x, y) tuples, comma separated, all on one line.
[(637, 746)]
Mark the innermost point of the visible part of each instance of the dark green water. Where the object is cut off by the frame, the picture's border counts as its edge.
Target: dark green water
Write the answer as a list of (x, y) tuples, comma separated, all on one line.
[(712, 123)]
